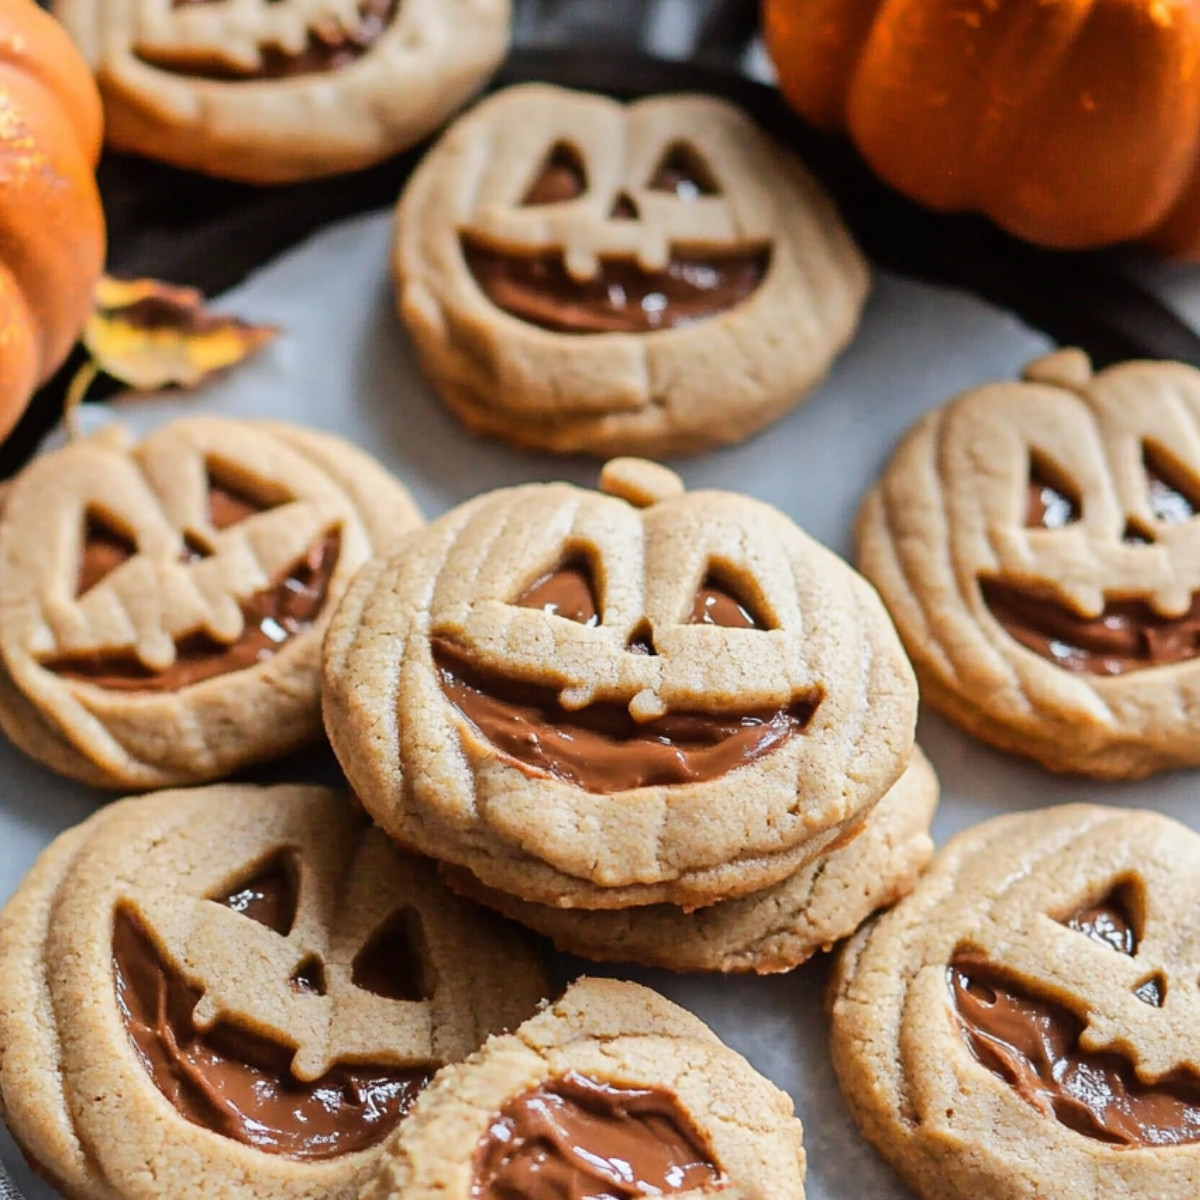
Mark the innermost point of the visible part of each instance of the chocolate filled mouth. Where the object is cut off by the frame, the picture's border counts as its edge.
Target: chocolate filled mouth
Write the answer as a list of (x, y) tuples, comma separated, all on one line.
[(1127, 635), (239, 1084), (621, 297), (1033, 1045), (330, 47), (601, 748), (286, 608)]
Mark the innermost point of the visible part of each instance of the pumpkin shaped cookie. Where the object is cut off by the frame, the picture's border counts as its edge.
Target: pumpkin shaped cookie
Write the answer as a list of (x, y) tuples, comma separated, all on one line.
[(612, 1091), (650, 278), (162, 603), (271, 91), (1025, 1023), (625, 697), (773, 930), (237, 991), (1038, 544)]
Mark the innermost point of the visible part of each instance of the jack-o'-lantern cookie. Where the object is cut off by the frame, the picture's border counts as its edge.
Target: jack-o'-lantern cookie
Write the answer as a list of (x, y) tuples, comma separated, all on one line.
[(1026, 1025), (653, 278), (270, 91), (236, 991), (772, 930), (613, 1092), (597, 699), (1038, 545), (162, 603)]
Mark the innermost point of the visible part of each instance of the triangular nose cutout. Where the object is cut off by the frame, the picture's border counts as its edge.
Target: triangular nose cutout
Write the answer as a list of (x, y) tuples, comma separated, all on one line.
[(624, 208)]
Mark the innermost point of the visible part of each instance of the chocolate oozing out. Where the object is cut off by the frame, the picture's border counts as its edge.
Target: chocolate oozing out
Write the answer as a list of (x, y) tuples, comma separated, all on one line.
[(601, 748), (621, 297), (330, 47), (575, 1138), (561, 178), (393, 963), (285, 608), (239, 1084), (1033, 1045), (104, 550), (1128, 635), (566, 592), (269, 896)]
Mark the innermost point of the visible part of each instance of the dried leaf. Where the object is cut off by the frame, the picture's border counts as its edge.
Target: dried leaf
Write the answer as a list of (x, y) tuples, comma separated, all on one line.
[(151, 335)]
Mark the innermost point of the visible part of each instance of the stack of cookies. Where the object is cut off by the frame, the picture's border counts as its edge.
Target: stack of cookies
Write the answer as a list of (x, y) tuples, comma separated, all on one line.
[(605, 711)]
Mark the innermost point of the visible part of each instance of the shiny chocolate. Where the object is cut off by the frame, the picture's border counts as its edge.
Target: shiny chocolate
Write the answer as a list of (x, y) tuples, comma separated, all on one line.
[(239, 1084), (621, 297), (1033, 1045), (567, 592), (576, 1138), (283, 609), (601, 748), (1127, 635)]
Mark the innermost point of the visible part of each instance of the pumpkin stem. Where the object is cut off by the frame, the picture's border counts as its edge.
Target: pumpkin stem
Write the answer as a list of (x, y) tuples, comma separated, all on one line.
[(84, 378), (639, 482), (1070, 369)]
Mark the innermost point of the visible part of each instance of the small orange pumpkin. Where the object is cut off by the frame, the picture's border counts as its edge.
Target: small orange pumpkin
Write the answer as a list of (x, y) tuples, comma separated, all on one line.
[(1071, 123), (51, 224)]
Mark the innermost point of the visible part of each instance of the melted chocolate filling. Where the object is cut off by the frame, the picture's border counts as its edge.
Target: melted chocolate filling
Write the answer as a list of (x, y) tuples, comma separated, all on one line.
[(330, 48), (1128, 635), (601, 748), (238, 1083), (620, 297), (281, 611), (578, 1139), (1033, 1045)]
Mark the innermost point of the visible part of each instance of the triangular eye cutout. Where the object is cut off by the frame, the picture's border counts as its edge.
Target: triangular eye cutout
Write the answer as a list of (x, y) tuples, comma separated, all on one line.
[(394, 964), (309, 978), (569, 591), (1152, 991), (1173, 496), (268, 894), (104, 550), (231, 501), (720, 603), (684, 173), (1111, 921), (561, 177), (1052, 501)]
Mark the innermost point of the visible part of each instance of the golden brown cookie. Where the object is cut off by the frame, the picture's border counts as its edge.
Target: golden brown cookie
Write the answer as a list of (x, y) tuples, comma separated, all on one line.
[(612, 1092), (162, 603), (596, 699), (772, 930), (652, 278), (1038, 546), (270, 91), (1026, 1025), (237, 991)]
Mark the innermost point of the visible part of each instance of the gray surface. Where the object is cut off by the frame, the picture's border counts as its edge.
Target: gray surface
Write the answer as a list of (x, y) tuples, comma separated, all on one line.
[(344, 364)]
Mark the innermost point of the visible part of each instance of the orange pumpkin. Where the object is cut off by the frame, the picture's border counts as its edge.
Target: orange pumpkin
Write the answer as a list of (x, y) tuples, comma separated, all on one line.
[(1071, 123), (51, 223)]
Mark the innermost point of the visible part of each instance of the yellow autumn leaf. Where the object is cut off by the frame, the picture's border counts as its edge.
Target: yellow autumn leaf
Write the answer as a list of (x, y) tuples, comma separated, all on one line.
[(151, 335)]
